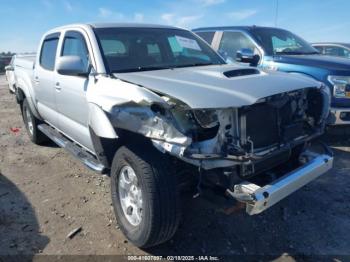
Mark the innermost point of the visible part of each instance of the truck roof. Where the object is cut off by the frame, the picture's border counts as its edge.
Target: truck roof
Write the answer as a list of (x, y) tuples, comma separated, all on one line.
[(138, 25), (112, 25)]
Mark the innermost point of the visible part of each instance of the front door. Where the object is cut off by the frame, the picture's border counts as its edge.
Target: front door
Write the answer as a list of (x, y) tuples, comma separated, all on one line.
[(71, 92)]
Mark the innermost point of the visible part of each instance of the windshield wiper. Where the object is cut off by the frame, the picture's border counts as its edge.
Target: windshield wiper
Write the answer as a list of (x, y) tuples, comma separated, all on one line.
[(195, 64), (289, 53), (312, 53), (140, 68), (296, 53), (149, 68)]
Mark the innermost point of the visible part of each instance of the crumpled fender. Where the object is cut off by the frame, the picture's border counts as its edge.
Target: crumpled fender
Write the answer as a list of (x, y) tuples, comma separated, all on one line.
[(100, 123), (105, 94)]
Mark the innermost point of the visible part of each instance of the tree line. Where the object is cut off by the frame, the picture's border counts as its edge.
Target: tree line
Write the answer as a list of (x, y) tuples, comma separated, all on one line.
[(5, 58)]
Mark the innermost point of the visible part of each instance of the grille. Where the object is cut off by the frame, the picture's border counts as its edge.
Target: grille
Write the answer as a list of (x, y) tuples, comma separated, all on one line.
[(262, 125), (267, 125)]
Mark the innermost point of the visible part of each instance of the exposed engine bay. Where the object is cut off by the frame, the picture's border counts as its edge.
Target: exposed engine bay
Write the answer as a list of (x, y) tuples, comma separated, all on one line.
[(250, 138)]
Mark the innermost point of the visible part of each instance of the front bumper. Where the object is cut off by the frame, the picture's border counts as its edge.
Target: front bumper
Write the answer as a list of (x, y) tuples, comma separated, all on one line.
[(340, 116), (258, 198)]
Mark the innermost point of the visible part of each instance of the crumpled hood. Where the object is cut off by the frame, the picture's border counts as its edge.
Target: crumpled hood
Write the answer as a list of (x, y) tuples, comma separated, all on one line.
[(208, 87)]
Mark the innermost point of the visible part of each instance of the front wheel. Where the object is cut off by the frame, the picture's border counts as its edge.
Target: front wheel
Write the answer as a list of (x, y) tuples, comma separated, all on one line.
[(144, 195)]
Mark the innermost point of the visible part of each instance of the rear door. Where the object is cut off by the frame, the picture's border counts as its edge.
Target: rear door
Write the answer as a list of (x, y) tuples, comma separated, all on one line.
[(71, 91), (44, 79)]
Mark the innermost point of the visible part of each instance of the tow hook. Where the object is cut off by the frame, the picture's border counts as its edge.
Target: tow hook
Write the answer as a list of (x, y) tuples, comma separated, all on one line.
[(238, 206)]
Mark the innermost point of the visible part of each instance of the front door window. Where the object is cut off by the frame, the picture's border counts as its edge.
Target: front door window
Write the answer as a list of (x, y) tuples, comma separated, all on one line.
[(231, 42)]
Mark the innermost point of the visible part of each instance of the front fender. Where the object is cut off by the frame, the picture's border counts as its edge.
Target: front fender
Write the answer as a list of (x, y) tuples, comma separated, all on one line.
[(99, 122)]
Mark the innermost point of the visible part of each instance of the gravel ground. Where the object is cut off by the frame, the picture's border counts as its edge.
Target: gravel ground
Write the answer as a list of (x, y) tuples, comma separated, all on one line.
[(45, 194)]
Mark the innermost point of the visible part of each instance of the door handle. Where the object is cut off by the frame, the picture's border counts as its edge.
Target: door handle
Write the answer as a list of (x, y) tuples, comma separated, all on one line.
[(36, 80), (57, 86)]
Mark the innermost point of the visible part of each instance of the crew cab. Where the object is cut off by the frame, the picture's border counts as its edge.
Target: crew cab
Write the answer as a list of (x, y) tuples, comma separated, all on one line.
[(279, 49), (20, 61), (156, 107)]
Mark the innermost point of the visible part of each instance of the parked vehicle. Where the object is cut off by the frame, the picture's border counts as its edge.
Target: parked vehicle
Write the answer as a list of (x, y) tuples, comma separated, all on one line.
[(10, 75), (333, 49), (279, 49), (155, 105), (19, 61)]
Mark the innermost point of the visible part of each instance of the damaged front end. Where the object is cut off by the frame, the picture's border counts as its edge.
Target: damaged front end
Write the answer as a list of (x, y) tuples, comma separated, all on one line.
[(218, 138), (241, 142), (246, 137)]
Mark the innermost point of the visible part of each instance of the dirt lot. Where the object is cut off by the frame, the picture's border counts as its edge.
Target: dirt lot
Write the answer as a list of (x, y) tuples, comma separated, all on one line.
[(45, 194)]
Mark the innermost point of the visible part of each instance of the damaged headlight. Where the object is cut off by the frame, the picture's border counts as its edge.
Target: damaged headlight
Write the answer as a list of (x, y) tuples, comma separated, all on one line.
[(341, 86), (206, 118)]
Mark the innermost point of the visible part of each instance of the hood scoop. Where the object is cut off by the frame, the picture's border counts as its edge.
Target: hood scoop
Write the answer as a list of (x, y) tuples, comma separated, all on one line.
[(241, 72), (220, 86)]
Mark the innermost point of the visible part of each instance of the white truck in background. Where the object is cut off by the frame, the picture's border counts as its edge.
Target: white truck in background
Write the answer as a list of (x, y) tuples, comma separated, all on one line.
[(153, 105), (19, 61)]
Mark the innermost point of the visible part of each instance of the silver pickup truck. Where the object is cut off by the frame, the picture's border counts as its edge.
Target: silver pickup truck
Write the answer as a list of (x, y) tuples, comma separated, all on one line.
[(155, 106)]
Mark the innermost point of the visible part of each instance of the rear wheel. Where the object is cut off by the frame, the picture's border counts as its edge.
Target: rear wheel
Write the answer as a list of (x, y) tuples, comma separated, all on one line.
[(31, 123), (144, 195)]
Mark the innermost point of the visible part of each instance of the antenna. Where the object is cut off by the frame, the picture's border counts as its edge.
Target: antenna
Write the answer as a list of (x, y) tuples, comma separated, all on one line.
[(276, 13)]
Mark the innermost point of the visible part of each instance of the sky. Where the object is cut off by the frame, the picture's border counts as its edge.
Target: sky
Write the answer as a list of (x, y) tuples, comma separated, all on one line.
[(23, 22)]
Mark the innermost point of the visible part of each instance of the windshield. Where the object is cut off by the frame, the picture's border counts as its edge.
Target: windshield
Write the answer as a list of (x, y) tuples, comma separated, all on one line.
[(282, 42), (141, 49)]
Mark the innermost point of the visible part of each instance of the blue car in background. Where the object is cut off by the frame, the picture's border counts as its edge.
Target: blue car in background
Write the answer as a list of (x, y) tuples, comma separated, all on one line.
[(278, 49)]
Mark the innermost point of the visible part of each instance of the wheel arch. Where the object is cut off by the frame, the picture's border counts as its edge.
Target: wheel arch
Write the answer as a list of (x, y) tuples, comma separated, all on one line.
[(106, 138), (21, 94)]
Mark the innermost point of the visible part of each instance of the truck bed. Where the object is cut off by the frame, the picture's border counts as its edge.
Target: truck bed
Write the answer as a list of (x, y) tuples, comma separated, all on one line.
[(25, 61)]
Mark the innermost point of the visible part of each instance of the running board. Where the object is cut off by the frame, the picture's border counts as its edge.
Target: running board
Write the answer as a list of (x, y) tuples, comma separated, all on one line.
[(86, 158)]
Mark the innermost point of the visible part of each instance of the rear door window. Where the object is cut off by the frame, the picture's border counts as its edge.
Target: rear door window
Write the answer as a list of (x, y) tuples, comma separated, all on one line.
[(336, 51), (207, 36), (48, 53)]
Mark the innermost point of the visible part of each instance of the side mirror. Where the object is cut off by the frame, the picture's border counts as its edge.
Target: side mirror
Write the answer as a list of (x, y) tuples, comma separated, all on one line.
[(9, 68), (71, 65), (246, 55)]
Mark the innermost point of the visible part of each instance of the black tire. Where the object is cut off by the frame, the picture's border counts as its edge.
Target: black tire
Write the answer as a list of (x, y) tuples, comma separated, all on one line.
[(160, 199), (35, 135)]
